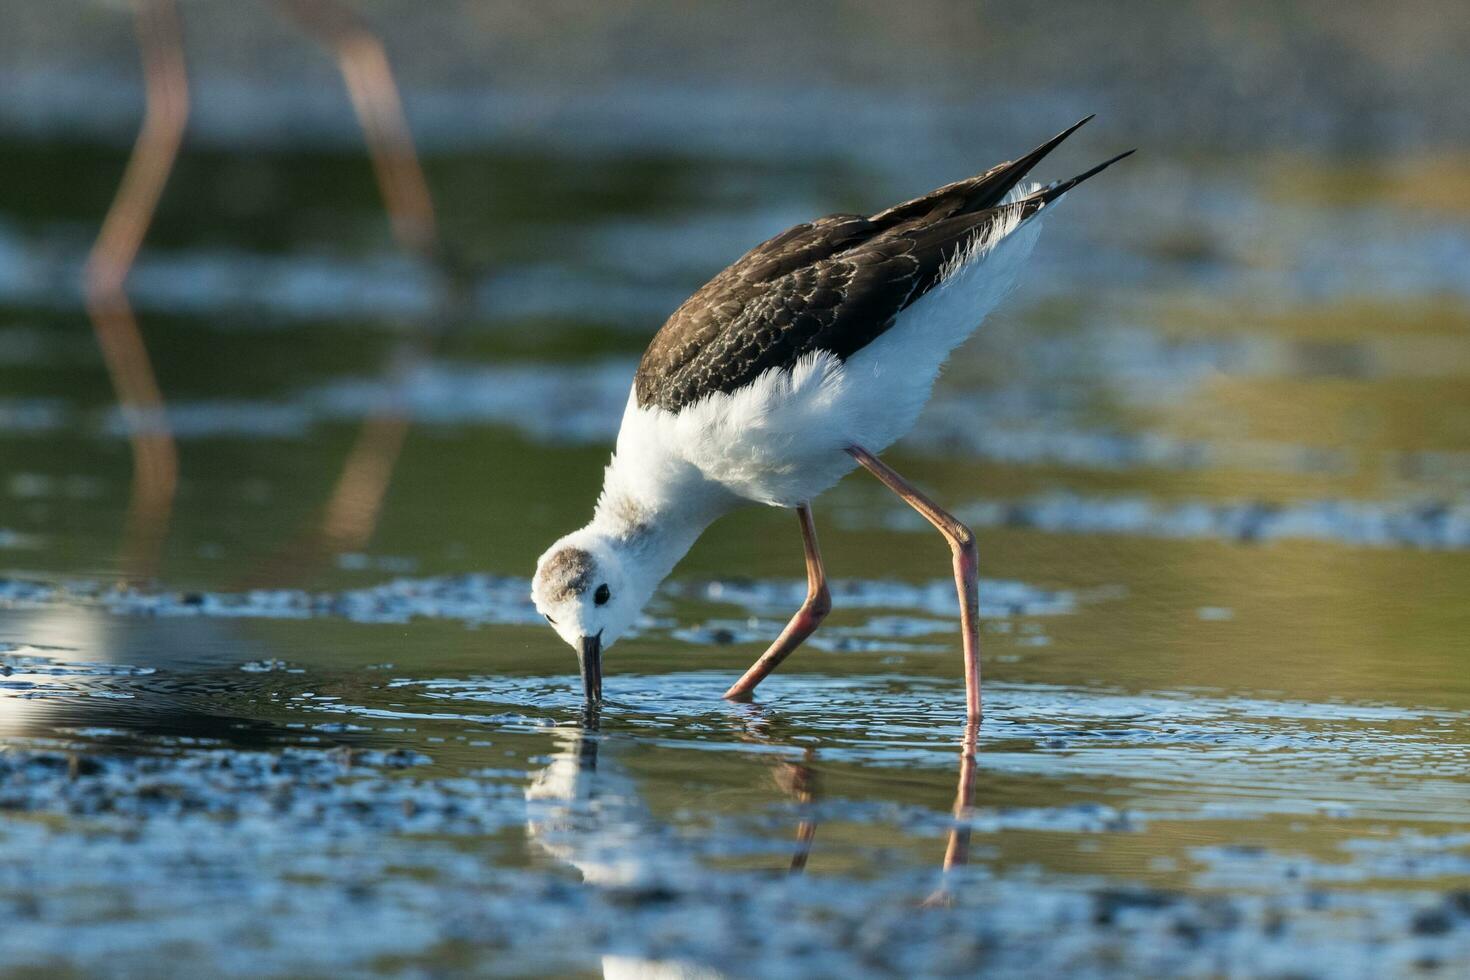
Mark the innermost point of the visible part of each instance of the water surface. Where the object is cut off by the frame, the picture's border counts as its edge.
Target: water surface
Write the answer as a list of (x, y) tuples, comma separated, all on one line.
[(1217, 451)]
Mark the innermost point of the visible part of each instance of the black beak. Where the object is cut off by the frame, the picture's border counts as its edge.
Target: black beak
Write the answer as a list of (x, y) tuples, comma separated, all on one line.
[(589, 658)]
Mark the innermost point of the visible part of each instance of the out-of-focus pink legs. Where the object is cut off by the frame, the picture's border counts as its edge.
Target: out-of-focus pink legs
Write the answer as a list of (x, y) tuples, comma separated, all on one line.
[(369, 79)]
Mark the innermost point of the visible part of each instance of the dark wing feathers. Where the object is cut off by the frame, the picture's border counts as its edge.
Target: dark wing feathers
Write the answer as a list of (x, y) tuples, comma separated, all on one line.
[(738, 326), (833, 284), (802, 245)]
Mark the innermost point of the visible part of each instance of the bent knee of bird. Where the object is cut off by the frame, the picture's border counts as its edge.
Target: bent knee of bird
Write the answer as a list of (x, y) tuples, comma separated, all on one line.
[(819, 603), (962, 540)]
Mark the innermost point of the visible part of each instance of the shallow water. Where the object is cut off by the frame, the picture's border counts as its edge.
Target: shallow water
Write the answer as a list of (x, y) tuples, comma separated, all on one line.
[(1218, 457)]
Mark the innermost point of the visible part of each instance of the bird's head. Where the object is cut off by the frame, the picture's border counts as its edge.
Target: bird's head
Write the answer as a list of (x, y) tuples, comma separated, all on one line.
[(588, 590)]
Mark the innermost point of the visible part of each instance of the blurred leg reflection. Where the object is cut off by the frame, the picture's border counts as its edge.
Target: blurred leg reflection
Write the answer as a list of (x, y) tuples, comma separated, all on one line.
[(957, 850), (799, 781), (957, 853), (355, 506), (155, 458)]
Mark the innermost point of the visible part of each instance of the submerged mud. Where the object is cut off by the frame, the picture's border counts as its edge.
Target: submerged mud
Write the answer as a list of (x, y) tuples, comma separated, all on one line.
[(208, 861), (482, 599), (184, 811)]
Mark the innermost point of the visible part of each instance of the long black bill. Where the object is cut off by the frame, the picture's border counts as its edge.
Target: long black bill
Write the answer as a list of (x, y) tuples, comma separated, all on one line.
[(589, 658)]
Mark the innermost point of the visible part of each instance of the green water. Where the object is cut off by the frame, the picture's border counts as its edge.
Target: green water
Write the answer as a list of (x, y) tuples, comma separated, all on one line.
[(1236, 718)]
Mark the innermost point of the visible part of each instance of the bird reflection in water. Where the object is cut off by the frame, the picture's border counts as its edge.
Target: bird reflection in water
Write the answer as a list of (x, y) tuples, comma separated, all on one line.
[(585, 810), (957, 849), (799, 781), (796, 779)]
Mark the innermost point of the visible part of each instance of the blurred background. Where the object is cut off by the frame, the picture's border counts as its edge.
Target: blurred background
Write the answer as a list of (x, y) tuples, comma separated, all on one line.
[(317, 320), (1267, 307)]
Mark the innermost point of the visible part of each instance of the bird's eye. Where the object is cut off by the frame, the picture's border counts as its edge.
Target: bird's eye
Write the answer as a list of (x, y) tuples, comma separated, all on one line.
[(602, 594), (549, 619)]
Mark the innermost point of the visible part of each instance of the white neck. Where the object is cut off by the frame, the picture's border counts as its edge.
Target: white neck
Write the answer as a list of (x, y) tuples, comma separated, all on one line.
[(650, 535), (654, 504), (653, 509)]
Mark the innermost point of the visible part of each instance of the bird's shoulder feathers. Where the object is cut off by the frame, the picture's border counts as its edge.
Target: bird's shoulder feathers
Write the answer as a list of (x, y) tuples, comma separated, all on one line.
[(834, 284)]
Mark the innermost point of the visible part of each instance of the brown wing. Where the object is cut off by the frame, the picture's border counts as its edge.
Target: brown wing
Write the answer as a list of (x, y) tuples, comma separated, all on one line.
[(833, 285), (752, 317), (765, 310)]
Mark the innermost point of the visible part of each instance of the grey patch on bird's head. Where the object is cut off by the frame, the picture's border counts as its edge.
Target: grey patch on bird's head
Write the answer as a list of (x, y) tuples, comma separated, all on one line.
[(567, 573)]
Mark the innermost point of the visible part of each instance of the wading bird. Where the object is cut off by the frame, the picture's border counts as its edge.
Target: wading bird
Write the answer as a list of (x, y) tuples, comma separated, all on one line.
[(810, 355)]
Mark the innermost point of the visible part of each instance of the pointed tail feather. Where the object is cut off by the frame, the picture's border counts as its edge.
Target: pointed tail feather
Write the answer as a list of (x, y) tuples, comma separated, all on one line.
[(974, 193), (1056, 189), (1009, 175)]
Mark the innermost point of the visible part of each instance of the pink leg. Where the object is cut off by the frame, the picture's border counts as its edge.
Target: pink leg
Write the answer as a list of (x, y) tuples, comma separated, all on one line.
[(818, 603), (966, 567)]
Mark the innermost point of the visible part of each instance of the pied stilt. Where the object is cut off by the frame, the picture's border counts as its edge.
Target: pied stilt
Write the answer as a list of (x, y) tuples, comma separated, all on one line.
[(810, 355)]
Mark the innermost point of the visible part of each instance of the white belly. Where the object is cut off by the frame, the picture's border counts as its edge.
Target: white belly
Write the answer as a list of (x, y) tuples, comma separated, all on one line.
[(782, 440)]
